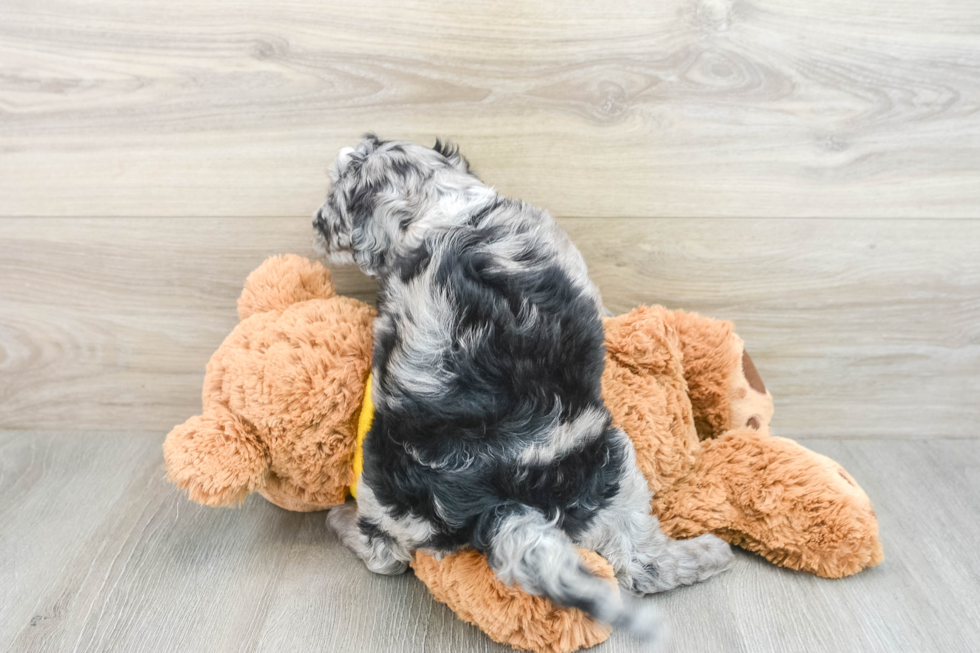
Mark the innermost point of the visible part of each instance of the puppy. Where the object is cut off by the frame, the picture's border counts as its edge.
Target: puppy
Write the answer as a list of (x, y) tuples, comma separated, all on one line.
[(489, 428)]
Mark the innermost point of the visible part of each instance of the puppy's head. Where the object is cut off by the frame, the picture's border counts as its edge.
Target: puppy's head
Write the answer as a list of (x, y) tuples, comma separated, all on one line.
[(384, 193)]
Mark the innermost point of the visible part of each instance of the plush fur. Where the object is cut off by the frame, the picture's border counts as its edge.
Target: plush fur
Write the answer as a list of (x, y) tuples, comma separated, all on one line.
[(269, 427), (507, 614), (280, 396), (489, 429)]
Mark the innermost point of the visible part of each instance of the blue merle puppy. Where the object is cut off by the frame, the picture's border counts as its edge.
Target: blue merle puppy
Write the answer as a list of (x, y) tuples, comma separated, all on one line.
[(489, 428)]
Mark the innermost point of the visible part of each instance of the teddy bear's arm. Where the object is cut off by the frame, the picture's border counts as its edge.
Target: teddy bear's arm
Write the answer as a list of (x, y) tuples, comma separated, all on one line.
[(216, 458), (777, 498)]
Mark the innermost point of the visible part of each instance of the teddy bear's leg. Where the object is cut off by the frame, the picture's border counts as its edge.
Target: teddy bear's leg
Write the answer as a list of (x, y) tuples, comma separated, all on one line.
[(775, 497), (646, 561), (724, 386), (465, 582)]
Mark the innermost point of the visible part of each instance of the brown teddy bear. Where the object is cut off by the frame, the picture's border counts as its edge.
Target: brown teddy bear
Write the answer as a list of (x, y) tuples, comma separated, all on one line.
[(284, 393)]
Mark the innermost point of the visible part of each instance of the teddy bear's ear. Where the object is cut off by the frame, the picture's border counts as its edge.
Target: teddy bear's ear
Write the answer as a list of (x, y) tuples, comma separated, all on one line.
[(216, 457), (281, 281)]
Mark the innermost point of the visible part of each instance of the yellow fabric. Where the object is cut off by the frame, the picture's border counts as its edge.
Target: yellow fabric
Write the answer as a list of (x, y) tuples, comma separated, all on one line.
[(363, 426)]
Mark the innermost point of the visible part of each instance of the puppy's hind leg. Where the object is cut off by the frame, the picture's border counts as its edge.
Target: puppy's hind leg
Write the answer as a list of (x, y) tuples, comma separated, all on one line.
[(525, 548), (645, 559), (663, 564), (380, 551)]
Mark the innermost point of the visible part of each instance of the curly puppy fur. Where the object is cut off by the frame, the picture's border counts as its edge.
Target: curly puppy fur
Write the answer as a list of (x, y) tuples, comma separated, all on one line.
[(489, 428)]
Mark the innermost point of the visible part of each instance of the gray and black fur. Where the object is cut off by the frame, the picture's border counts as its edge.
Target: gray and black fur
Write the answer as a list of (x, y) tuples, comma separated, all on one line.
[(489, 427)]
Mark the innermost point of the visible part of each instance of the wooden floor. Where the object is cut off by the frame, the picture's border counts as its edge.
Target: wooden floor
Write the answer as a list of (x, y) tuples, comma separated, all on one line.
[(101, 554), (810, 170)]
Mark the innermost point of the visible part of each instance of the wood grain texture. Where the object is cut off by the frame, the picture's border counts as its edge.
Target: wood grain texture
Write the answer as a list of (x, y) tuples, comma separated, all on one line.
[(864, 328), (105, 323), (680, 108), (99, 553)]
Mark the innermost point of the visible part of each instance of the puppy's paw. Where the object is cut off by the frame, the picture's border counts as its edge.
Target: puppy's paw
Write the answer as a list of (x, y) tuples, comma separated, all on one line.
[(437, 554), (342, 520), (380, 553), (713, 555)]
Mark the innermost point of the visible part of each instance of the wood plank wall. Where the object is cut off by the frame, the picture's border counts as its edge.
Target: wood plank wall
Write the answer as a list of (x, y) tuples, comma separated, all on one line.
[(809, 170)]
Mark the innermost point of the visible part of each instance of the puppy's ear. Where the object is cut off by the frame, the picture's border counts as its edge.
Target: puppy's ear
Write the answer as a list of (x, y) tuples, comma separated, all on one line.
[(451, 153), (369, 246), (375, 236)]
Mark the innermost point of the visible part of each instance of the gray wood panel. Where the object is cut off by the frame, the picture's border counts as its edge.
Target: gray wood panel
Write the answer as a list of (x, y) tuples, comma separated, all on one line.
[(99, 553), (866, 328), (690, 108), (861, 328)]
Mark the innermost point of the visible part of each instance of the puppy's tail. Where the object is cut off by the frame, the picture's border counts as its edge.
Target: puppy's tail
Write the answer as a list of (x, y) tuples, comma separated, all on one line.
[(524, 547)]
